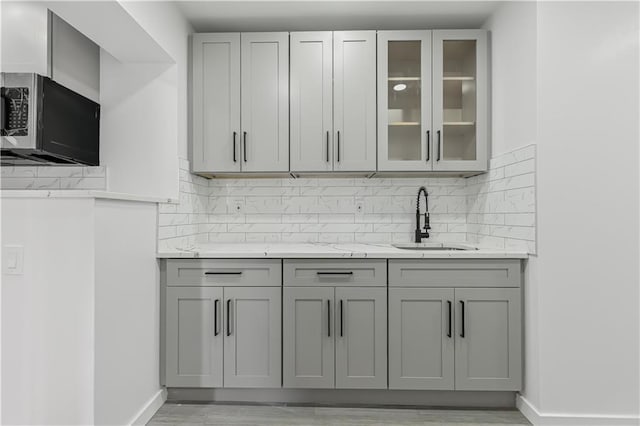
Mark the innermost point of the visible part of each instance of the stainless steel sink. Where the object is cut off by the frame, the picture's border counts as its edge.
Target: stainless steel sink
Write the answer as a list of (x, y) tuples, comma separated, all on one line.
[(432, 246)]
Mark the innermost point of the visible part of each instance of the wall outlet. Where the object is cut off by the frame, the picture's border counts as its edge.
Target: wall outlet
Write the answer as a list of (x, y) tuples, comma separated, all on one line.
[(359, 206), (236, 205), (13, 260)]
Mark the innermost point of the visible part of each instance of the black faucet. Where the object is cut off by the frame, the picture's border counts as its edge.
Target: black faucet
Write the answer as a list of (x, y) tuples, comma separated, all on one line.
[(419, 234)]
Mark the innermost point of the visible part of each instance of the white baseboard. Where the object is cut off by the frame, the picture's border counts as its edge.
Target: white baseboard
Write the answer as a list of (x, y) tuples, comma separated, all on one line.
[(149, 409), (554, 419)]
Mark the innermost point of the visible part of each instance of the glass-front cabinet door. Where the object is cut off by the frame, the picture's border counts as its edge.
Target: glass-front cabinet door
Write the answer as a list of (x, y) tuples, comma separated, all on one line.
[(460, 100), (404, 101)]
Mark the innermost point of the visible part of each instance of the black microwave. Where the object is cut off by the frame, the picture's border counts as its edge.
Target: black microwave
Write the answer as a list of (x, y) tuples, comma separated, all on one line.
[(44, 122)]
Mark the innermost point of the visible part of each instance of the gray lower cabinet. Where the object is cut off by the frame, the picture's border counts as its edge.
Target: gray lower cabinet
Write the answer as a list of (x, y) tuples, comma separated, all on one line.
[(252, 337), (361, 337), (308, 341), (335, 337), (488, 339), (223, 336), (421, 342), (194, 351), (455, 324)]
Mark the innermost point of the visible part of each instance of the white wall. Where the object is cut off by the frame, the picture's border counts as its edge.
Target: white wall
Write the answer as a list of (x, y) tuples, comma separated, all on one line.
[(144, 115), (588, 209), (513, 76), (23, 36), (127, 310), (47, 313), (514, 111)]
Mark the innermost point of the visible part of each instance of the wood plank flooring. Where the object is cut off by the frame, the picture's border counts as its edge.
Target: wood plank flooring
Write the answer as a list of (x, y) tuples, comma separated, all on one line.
[(245, 415)]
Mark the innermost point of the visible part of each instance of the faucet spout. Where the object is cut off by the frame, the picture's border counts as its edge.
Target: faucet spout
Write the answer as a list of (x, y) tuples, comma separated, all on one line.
[(419, 233)]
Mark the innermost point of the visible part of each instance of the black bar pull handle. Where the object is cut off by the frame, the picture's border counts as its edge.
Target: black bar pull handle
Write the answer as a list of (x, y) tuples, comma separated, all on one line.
[(428, 145), (228, 317), (438, 157), (338, 146), (462, 325), (449, 327), (341, 320), (235, 134), (334, 273), (223, 273), (244, 146), (215, 317), (327, 146), (328, 318)]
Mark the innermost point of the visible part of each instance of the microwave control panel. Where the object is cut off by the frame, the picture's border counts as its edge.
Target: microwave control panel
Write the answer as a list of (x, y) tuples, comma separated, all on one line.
[(15, 111)]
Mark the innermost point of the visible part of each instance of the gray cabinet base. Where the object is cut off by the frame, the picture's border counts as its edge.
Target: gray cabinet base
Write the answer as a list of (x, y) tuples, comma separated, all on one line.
[(348, 397)]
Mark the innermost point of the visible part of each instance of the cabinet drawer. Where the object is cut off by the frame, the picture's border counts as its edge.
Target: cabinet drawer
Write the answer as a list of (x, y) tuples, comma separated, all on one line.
[(454, 273), (224, 272), (318, 272)]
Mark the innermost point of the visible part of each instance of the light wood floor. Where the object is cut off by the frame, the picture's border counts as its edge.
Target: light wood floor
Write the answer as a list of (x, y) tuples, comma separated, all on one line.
[(221, 414)]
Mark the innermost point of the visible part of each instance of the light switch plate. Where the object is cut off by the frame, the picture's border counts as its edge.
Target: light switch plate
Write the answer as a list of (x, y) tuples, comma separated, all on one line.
[(13, 260)]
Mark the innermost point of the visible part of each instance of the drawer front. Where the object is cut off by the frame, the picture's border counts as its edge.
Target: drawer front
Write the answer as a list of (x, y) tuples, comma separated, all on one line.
[(455, 273), (319, 272), (224, 272)]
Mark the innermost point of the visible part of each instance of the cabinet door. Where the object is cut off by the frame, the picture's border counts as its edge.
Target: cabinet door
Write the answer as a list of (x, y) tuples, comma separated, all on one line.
[(460, 99), (354, 100), (265, 102), (308, 343), (216, 103), (311, 85), (252, 346), (421, 341), (488, 339), (194, 337), (404, 100), (361, 337)]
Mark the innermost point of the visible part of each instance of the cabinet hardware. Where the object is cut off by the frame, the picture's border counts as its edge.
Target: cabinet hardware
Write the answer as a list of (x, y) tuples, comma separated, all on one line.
[(341, 319), (338, 146), (215, 317), (428, 145), (327, 146), (223, 273), (462, 325), (438, 157), (234, 146), (228, 317), (449, 328), (334, 273), (328, 318), (244, 146)]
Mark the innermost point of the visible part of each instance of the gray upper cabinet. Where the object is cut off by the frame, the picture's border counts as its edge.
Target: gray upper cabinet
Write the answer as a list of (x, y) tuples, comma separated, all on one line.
[(333, 101), (309, 337), (194, 346), (311, 101), (216, 103), (460, 101), (354, 100), (488, 339), (234, 132), (421, 341), (404, 101), (265, 102), (361, 337), (252, 337)]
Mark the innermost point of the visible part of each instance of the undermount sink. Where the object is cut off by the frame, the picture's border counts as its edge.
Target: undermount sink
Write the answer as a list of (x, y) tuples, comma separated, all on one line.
[(432, 246)]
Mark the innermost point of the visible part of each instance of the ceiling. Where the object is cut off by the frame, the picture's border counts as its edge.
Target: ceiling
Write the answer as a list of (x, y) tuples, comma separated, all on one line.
[(303, 15)]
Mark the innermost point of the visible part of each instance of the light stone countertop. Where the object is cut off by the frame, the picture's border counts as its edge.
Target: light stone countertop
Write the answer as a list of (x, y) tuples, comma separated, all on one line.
[(334, 251)]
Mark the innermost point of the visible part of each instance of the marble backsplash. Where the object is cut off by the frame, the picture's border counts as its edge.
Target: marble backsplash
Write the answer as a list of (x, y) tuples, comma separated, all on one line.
[(495, 210), (53, 177)]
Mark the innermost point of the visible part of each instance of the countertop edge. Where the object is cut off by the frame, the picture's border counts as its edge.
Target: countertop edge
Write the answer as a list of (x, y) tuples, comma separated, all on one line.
[(479, 254), (76, 193)]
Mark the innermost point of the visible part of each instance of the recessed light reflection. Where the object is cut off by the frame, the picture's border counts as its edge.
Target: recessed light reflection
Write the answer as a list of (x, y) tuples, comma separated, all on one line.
[(399, 87)]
